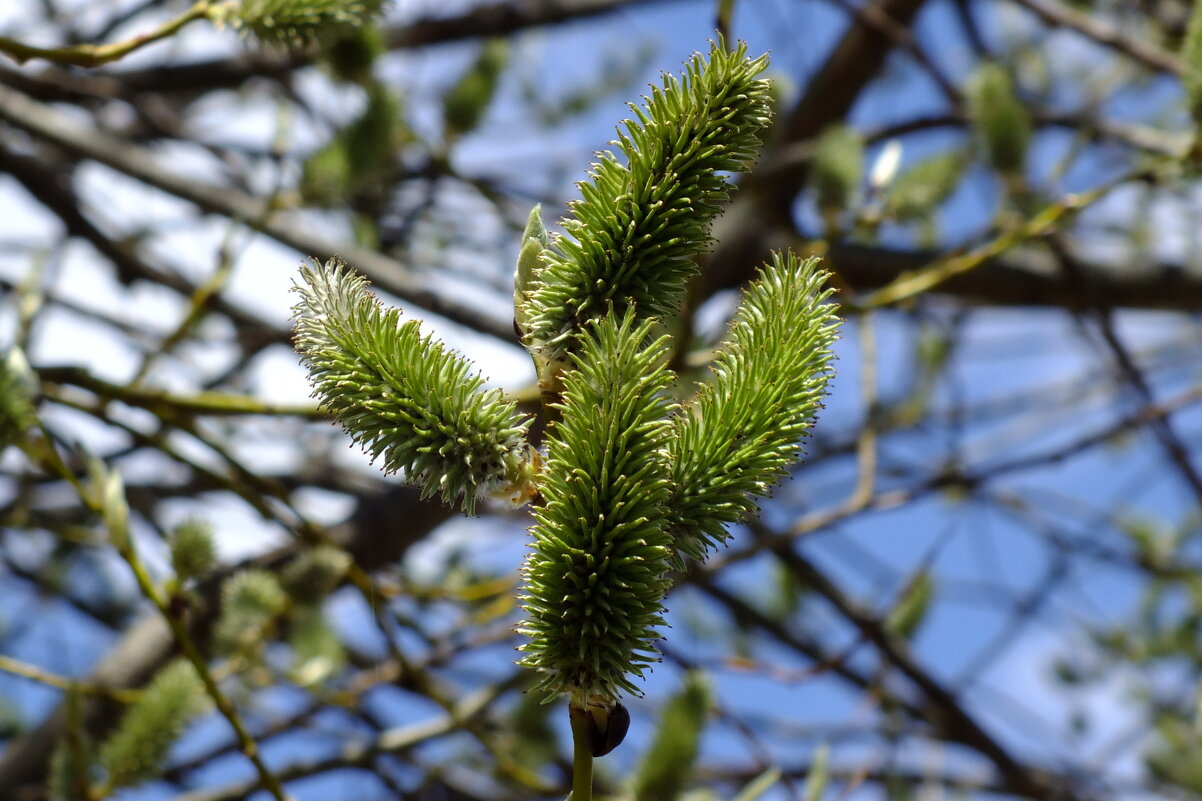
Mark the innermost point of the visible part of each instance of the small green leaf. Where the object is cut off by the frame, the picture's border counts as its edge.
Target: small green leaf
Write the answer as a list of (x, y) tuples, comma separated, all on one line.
[(905, 618), (759, 785), (819, 774), (116, 510), (530, 264)]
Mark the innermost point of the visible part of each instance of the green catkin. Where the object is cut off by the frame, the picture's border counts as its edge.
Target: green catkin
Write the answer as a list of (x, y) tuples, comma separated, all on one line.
[(138, 748), (632, 237), (734, 442), (298, 22), (250, 602), (193, 549), (314, 574), (630, 485), (403, 396), (597, 572), (999, 118)]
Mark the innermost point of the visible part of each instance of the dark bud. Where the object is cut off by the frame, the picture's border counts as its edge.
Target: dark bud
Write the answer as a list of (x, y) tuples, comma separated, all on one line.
[(607, 728), (179, 604)]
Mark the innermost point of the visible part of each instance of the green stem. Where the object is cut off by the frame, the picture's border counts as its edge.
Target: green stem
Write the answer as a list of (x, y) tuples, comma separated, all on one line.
[(911, 284), (171, 406), (582, 757), (94, 55), (34, 673)]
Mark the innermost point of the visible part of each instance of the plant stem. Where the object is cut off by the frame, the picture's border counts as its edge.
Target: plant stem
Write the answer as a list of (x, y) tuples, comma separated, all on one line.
[(172, 406), (582, 757), (33, 672), (93, 55)]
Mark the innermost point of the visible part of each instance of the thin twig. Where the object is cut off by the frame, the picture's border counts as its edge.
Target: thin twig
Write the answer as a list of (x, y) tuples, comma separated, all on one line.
[(1116, 39), (94, 55), (18, 668)]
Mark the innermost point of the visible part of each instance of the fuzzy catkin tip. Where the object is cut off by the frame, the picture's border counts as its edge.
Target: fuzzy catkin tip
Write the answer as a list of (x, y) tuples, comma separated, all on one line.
[(631, 239)]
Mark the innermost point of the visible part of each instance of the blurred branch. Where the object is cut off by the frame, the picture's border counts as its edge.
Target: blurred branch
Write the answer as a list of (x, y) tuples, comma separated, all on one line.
[(18, 668), (499, 19), (25, 759), (393, 741), (481, 21), (1173, 144), (961, 477), (908, 285), (1161, 426), (918, 449), (52, 188), (1027, 278), (379, 532), (94, 55), (94, 144), (1022, 779), (1114, 38), (167, 406), (183, 638), (917, 780)]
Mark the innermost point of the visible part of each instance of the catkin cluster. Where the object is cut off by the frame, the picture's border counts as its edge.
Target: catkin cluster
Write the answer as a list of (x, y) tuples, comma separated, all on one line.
[(632, 484)]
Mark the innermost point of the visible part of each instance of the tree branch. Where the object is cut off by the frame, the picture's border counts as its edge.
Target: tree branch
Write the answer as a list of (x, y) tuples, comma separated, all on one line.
[(1116, 39), (94, 144), (1020, 778)]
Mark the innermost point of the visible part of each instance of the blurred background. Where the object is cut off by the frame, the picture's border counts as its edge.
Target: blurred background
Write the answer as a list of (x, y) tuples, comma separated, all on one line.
[(985, 579)]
